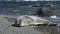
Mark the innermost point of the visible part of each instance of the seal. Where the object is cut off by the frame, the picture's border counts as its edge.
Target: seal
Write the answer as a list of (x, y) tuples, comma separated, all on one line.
[(27, 20)]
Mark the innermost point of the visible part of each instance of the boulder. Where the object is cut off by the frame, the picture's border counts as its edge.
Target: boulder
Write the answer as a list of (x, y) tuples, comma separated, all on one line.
[(44, 11)]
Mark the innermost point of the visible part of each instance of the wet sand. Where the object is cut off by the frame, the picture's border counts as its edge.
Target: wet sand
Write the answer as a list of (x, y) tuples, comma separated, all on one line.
[(6, 28)]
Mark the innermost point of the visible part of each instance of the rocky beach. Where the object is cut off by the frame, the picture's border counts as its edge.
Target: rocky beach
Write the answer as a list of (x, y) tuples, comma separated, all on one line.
[(6, 28)]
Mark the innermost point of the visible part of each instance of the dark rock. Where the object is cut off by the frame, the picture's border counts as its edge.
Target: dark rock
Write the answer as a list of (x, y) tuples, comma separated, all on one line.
[(45, 11)]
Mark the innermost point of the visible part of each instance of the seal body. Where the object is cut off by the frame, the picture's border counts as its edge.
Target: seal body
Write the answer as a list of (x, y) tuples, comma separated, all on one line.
[(26, 20)]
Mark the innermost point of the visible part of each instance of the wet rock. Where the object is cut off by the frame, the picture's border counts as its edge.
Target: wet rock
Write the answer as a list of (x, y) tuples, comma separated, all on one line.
[(44, 11)]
